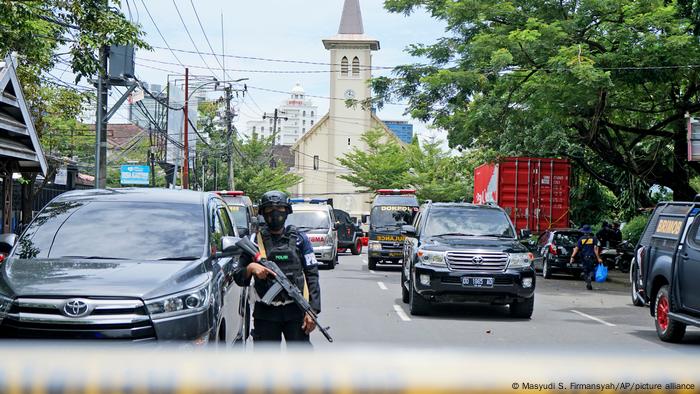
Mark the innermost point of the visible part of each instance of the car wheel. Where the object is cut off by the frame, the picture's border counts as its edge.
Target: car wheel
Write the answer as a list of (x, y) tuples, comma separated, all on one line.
[(523, 309), (404, 291), (332, 263), (546, 270), (667, 329), (357, 249), (417, 305), (637, 300), (372, 263)]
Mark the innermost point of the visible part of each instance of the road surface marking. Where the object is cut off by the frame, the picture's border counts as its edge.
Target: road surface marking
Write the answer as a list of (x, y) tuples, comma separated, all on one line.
[(593, 318), (382, 286), (372, 271), (364, 261), (402, 315)]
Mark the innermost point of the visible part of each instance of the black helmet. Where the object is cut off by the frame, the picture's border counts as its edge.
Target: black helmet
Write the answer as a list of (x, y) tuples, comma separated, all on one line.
[(275, 198)]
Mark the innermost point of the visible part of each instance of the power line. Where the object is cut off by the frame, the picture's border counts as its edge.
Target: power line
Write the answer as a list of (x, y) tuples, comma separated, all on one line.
[(252, 71), (160, 34), (273, 60), (206, 38), (191, 39)]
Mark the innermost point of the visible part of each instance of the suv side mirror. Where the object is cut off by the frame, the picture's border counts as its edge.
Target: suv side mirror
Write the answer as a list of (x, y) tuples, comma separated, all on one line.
[(408, 231), (229, 246), (525, 233), (7, 242), (365, 219), (336, 225)]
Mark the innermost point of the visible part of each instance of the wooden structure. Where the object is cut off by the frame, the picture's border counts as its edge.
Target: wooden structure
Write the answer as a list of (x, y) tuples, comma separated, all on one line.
[(20, 151)]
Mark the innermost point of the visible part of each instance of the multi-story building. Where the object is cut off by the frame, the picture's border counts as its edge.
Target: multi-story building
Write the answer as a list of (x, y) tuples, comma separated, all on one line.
[(402, 129), (296, 116)]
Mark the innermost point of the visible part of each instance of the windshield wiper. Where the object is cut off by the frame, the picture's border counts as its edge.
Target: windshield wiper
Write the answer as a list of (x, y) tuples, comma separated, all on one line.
[(180, 258), (495, 235), (92, 258), (455, 235)]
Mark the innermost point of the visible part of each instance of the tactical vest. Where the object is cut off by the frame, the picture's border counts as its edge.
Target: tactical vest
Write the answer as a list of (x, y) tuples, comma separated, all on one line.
[(587, 247), (285, 253)]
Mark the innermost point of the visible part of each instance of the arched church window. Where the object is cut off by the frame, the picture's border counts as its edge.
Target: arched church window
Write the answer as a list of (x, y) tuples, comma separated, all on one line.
[(356, 67), (344, 66), (303, 113), (312, 114)]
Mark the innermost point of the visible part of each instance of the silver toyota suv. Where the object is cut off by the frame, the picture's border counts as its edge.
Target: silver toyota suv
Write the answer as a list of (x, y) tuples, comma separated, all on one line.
[(316, 219)]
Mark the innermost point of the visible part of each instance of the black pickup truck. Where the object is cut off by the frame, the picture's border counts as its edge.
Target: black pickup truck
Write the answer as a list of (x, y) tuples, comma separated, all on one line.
[(666, 268)]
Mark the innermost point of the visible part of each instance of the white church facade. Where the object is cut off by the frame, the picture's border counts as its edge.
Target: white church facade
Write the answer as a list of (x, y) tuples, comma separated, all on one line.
[(341, 129)]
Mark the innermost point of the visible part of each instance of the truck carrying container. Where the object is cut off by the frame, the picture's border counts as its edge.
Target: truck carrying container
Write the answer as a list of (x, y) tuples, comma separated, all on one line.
[(533, 191)]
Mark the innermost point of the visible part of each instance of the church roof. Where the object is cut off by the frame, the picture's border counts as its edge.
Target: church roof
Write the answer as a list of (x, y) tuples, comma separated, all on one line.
[(351, 21), (351, 28), (18, 138)]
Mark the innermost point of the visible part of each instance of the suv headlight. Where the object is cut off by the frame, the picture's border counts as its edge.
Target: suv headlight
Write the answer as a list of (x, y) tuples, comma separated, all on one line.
[(5, 304), (374, 245), (330, 241), (519, 260), (187, 302), (433, 258)]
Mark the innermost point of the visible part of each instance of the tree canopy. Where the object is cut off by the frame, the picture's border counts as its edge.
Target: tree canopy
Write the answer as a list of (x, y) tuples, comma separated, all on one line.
[(606, 83), (435, 173)]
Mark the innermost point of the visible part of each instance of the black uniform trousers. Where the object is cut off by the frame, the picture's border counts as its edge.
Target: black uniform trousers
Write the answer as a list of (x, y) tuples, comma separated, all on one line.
[(588, 263), (273, 322)]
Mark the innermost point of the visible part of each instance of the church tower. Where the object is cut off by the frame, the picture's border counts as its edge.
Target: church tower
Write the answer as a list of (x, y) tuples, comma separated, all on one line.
[(341, 130)]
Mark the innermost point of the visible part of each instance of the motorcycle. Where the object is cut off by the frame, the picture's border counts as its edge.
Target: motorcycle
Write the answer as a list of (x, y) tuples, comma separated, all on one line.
[(625, 254)]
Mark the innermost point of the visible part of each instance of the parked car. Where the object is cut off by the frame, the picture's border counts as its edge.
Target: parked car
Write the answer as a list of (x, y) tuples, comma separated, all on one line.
[(124, 264), (315, 217), (553, 250), (349, 232), (242, 210), (666, 268), (460, 253)]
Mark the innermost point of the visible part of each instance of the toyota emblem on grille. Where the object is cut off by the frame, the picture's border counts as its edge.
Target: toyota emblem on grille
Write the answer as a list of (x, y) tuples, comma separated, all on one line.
[(76, 308), (478, 260)]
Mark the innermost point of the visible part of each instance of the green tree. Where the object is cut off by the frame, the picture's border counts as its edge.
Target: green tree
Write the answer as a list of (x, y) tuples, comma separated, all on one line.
[(595, 80), (433, 172)]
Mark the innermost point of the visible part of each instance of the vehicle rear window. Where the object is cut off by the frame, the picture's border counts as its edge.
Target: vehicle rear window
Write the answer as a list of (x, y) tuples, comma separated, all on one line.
[(468, 222), (309, 220), (566, 239), (115, 230), (392, 215)]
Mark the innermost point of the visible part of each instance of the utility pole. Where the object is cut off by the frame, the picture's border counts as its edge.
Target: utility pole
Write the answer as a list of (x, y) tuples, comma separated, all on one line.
[(186, 166), (231, 137), (274, 123), (101, 121)]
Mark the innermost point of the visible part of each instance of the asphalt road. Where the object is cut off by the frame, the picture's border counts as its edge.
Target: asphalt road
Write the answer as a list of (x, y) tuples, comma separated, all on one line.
[(364, 307)]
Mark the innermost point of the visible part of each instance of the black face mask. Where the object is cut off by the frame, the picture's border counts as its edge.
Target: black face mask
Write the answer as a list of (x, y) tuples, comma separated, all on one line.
[(275, 220)]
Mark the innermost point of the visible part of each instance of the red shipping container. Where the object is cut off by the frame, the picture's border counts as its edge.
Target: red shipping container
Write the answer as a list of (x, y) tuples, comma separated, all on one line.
[(533, 191)]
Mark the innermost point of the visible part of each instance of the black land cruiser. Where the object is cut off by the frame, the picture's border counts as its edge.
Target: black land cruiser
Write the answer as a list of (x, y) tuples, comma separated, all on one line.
[(666, 268), (457, 252)]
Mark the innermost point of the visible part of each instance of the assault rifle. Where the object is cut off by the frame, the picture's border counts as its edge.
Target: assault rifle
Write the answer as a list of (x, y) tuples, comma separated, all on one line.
[(282, 283)]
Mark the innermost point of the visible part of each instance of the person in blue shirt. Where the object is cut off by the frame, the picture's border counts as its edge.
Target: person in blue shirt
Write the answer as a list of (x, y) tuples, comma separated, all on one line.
[(293, 253), (589, 248)]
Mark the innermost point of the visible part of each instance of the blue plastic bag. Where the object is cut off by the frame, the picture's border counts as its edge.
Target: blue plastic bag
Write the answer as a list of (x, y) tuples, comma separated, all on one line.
[(601, 273)]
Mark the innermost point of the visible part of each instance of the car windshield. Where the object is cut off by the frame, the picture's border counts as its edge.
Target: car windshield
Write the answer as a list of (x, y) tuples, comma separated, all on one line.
[(392, 215), (115, 230), (240, 218), (566, 239), (468, 222), (309, 220)]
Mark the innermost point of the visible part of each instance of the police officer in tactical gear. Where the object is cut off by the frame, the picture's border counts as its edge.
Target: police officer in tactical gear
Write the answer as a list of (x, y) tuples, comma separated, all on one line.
[(588, 246), (293, 253)]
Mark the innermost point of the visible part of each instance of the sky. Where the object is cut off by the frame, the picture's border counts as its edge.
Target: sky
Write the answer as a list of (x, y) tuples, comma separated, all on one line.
[(273, 29)]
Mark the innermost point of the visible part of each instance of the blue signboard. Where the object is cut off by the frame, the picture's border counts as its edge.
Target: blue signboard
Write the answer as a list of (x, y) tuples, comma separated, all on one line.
[(135, 175)]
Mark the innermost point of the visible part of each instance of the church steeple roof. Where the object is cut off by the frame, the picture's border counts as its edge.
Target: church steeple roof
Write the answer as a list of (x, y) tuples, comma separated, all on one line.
[(351, 21), (351, 29)]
